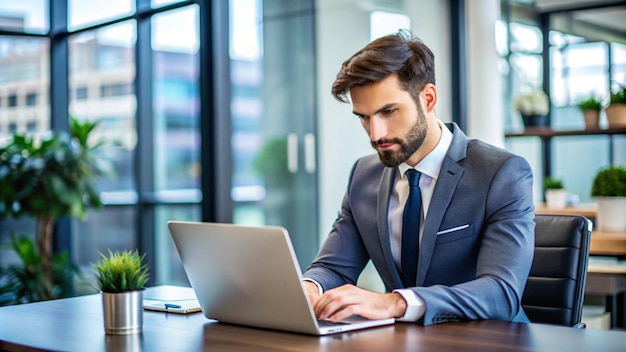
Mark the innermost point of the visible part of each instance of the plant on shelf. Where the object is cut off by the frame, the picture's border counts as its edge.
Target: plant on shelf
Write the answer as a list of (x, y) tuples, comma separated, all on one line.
[(591, 107), (609, 188), (46, 179), (121, 277), (616, 110), (552, 183), (591, 103), (556, 196), (610, 182), (533, 107)]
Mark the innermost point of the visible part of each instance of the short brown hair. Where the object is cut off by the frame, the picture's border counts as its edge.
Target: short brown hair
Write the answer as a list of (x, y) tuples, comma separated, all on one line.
[(401, 53)]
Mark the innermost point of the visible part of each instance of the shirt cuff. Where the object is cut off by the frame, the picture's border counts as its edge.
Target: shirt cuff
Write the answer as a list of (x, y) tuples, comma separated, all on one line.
[(319, 286), (415, 307)]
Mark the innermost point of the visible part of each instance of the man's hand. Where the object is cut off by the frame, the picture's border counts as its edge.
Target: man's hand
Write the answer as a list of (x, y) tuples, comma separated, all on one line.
[(348, 300), (312, 291)]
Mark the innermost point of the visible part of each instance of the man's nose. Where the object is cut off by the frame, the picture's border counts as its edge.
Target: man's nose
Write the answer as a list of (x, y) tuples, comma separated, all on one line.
[(378, 128)]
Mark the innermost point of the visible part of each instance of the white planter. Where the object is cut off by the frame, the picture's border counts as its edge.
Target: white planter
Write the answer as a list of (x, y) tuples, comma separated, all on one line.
[(556, 198), (611, 215)]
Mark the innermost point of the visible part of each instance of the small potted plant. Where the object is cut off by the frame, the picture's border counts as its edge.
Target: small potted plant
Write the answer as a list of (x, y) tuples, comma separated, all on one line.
[(609, 188), (534, 108), (591, 111), (121, 277), (616, 111), (556, 196)]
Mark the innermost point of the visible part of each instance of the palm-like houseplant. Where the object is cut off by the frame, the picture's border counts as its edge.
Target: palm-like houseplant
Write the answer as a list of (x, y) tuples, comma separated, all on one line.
[(46, 179)]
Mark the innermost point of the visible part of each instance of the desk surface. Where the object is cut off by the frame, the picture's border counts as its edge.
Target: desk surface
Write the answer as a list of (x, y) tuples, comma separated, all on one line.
[(75, 324), (608, 243), (588, 210)]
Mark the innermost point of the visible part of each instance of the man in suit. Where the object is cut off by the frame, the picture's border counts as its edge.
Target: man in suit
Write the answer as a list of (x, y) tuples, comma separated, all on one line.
[(473, 233)]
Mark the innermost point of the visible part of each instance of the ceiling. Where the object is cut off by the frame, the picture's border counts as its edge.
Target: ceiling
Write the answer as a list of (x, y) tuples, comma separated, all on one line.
[(593, 16)]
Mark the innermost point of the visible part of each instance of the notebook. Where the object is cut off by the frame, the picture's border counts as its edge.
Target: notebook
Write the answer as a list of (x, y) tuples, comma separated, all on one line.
[(249, 276), (183, 306)]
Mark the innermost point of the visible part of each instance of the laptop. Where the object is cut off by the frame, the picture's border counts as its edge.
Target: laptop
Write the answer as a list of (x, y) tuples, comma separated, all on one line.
[(249, 276)]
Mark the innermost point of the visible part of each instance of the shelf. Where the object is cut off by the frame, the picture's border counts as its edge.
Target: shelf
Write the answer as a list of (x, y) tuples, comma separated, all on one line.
[(586, 210), (547, 132), (608, 243)]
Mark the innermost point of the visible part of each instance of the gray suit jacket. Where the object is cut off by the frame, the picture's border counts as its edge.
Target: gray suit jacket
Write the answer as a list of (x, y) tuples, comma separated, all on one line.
[(478, 241)]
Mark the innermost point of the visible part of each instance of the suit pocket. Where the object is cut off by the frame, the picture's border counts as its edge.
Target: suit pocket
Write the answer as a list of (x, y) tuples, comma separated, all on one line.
[(455, 233)]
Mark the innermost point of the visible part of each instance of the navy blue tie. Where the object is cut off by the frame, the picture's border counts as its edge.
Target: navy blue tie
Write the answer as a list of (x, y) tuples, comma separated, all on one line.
[(411, 229)]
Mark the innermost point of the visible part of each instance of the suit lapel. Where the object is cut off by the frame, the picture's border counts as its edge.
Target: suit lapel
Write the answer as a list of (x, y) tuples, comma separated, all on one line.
[(447, 181), (384, 193)]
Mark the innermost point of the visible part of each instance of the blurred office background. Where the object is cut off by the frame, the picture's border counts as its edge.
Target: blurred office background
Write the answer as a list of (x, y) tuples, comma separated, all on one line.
[(221, 110)]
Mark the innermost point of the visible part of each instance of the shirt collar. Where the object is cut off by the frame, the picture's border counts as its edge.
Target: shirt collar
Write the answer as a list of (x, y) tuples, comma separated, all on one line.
[(432, 162)]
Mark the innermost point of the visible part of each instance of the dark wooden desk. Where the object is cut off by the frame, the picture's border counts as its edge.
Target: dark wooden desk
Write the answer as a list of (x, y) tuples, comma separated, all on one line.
[(75, 324)]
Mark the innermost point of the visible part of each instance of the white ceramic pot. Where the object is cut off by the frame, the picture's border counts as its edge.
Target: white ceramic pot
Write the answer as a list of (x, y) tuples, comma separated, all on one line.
[(556, 198), (611, 215), (123, 312)]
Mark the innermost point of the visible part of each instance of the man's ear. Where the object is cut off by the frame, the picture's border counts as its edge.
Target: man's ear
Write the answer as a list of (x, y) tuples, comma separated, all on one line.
[(429, 92)]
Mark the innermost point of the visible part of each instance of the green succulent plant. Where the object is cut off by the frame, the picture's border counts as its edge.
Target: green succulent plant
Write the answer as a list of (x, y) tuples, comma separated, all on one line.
[(591, 103), (619, 96), (552, 183), (610, 182), (121, 272)]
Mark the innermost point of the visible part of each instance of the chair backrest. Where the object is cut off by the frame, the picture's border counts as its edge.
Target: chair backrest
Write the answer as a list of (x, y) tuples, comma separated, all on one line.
[(555, 288)]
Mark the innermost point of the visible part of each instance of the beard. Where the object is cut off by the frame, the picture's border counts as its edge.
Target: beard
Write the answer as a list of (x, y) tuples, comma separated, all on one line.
[(410, 143)]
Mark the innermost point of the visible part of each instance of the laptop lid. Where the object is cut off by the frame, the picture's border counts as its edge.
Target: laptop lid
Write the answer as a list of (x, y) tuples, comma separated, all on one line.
[(249, 276)]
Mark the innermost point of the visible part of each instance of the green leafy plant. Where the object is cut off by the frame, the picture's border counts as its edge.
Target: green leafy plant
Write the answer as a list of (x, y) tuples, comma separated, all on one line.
[(610, 182), (271, 163), (552, 183), (618, 96), (23, 279), (47, 179), (121, 272), (591, 103)]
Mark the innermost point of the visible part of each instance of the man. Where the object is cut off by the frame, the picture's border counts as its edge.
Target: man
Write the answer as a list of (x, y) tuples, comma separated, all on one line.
[(473, 234)]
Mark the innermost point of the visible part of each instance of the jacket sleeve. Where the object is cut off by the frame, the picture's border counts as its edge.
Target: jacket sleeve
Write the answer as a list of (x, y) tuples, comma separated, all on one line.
[(343, 255)]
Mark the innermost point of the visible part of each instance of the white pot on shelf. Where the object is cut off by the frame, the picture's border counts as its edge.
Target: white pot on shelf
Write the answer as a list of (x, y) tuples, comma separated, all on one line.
[(611, 215), (556, 198)]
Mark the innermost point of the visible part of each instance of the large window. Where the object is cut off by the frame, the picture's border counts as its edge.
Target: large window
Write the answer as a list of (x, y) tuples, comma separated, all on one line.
[(116, 59), (585, 57)]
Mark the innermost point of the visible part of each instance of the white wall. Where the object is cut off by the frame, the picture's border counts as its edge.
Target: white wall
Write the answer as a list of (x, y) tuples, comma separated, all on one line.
[(485, 84), (430, 22), (342, 29)]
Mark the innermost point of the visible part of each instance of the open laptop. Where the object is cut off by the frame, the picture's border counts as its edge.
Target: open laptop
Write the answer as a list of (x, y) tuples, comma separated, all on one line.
[(249, 276)]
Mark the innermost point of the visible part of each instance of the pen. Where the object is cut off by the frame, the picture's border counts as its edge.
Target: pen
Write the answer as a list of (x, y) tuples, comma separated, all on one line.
[(170, 305)]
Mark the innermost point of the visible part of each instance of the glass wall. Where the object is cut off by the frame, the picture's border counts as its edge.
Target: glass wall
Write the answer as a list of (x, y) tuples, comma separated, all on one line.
[(134, 67), (582, 63), (109, 70), (273, 118)]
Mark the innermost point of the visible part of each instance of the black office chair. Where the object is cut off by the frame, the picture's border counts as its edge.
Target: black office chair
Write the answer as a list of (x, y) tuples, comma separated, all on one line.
[(555, 288)]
